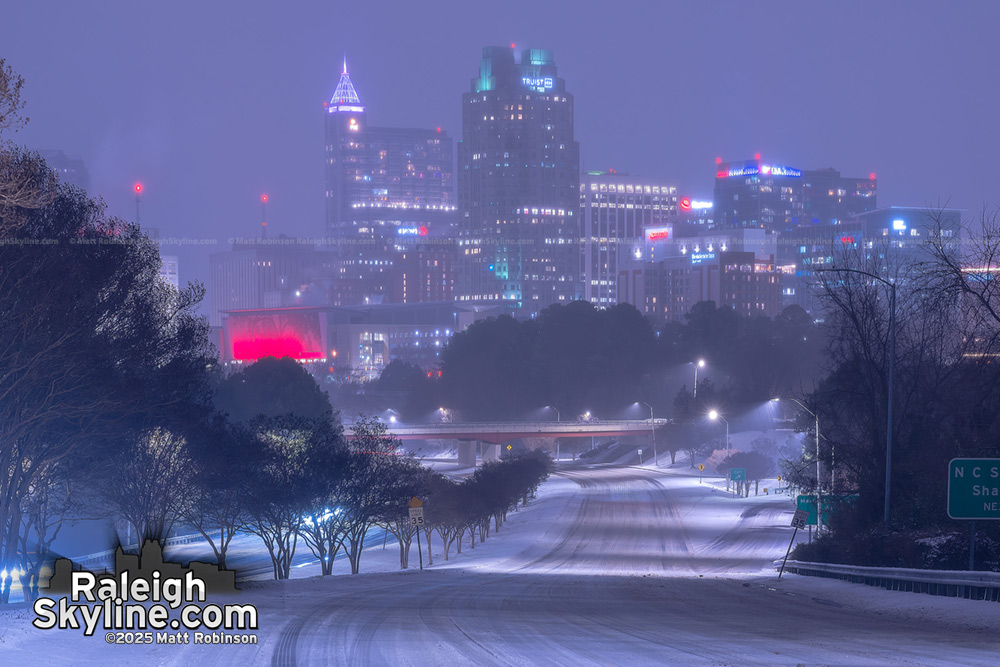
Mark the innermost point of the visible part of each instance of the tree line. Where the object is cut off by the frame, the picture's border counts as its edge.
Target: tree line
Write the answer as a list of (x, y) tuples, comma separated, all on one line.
[(945, 398)]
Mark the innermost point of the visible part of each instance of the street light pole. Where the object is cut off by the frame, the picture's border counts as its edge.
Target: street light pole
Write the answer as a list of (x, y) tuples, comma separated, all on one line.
[(558, 419), (652, 430), (698, 364), (892, 372), (819, 487), (714, 414)]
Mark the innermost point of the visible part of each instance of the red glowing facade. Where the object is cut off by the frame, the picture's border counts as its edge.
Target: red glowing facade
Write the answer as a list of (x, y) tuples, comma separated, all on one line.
[(280, 333)]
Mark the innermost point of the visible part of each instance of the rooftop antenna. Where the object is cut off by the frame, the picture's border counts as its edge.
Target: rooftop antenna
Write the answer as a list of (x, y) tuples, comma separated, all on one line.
[(138, 196), (263, 216)]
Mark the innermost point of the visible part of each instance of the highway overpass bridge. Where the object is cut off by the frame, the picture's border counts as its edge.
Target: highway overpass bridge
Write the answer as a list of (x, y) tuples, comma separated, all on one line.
[(494, 434)]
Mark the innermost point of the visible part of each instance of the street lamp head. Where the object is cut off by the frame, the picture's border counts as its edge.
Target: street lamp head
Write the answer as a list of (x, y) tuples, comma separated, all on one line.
[(701, 363), (392, 419), (775, 400), (714, 414)]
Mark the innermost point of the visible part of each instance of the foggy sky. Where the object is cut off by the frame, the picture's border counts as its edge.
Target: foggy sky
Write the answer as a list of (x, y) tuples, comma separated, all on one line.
[(210, 104)]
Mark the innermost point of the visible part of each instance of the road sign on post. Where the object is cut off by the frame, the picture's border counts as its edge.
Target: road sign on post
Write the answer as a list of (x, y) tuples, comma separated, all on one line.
[(974, 489), (798, 521), (417, 519), (737, 474)]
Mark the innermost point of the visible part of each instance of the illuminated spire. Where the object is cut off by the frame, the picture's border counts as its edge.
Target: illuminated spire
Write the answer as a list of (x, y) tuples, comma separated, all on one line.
[(345, 93)]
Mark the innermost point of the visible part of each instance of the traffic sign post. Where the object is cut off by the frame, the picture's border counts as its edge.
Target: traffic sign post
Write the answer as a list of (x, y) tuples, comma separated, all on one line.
[(701, 469), (974, 493), (974, 489), (798, 521), (416, 516), (417, 519), (738, 475)]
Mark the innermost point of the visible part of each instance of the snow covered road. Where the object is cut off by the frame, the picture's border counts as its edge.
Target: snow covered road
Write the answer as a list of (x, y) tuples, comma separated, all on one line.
[(611, 566)]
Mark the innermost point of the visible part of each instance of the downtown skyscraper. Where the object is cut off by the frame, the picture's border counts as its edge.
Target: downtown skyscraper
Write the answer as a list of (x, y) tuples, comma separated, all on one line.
[(519, 224), (390, 208), (381, 179)]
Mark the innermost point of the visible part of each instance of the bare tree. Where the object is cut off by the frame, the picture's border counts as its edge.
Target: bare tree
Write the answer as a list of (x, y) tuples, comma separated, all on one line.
[(852, 402), (11, 103), (290, 477), (25, 180), (149, 484), (218, 491), (371, 484), (965, 269), (44, 511)]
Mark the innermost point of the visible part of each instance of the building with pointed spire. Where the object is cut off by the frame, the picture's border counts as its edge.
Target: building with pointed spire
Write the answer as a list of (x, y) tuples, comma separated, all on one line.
[(381, 178), (387, 190)]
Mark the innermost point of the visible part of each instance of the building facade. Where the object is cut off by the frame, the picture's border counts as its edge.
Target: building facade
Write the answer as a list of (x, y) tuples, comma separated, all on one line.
[(379, 178), (741, 280), (356, 341), (734, 267), (618, 212), (384, 188), (266, 273), (519, 227), (760, 193)]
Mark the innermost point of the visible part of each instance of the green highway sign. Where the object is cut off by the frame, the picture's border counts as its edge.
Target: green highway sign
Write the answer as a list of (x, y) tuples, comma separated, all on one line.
[(807, 504), (738, 474), (974, 489), (830, 503)]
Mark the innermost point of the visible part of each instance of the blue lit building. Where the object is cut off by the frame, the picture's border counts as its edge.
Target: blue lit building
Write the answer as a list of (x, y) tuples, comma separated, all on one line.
[(381, 178), (760, 193), (519, 227), (883, 236)]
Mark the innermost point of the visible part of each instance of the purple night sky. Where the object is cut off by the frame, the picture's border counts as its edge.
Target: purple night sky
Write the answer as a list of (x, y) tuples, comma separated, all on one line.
[(210, 104)]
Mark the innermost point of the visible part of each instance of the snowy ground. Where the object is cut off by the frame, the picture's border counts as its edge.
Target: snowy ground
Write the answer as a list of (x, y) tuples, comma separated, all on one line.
[(609, 566)]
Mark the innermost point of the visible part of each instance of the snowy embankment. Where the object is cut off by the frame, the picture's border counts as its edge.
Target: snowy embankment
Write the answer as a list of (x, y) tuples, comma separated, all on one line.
[(606, 566)]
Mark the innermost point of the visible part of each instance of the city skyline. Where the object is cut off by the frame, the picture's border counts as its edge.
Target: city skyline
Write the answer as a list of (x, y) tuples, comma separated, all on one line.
[(662, 108)]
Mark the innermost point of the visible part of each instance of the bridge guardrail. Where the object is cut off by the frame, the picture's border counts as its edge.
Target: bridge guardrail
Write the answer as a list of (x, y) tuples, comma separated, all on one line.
[(109, 553), (659, 421), (951, 583)]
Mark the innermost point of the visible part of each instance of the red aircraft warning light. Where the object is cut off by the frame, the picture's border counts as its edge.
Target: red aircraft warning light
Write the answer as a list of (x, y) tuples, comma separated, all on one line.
[(138, 188), (263, 198)]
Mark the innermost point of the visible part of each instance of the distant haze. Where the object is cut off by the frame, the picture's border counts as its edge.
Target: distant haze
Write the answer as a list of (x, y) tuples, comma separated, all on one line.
[(211, 104)]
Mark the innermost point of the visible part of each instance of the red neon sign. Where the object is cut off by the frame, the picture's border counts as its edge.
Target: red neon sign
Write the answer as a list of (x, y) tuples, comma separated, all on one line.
[(847, 239), (685, 204)]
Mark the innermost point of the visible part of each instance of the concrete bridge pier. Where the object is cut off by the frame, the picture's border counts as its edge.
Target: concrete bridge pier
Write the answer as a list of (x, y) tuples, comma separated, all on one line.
[(467, 452), (490, 452)]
